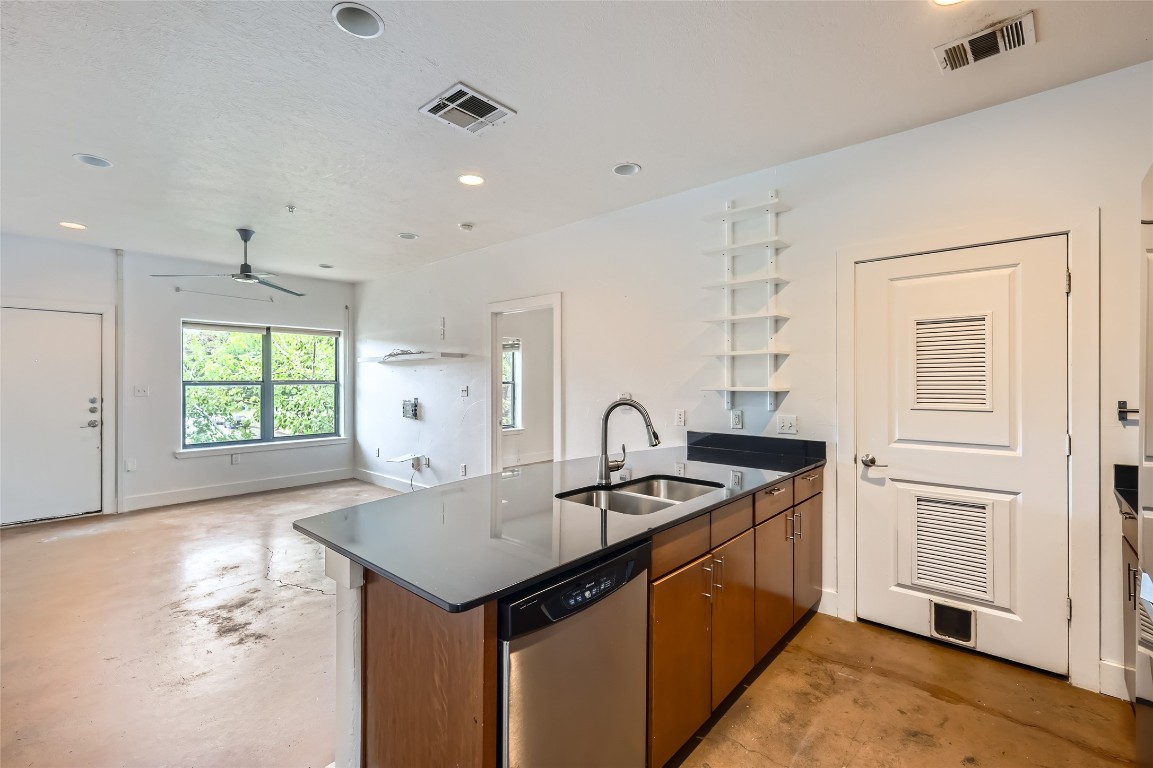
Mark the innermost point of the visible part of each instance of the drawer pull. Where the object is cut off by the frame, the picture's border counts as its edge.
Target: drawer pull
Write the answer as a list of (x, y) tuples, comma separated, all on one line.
[(775, 491), (813, 476)]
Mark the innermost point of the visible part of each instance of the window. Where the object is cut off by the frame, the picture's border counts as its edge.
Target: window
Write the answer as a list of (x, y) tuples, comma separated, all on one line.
[(510, 375), (245, 384)]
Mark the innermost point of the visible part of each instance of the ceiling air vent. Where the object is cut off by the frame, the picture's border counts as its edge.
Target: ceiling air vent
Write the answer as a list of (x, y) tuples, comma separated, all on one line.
[(1002, 36), (467, 108)]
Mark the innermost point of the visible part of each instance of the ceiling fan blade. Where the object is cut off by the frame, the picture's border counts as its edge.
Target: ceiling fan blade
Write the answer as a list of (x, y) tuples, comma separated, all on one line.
[(278, 287), (221, 275)]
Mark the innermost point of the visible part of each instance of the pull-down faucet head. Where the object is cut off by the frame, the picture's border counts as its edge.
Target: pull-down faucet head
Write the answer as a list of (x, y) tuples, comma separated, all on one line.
[(607, 465)]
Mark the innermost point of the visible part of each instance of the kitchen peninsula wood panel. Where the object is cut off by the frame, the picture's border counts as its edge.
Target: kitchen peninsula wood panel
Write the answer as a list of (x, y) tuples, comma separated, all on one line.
[(430, 681)]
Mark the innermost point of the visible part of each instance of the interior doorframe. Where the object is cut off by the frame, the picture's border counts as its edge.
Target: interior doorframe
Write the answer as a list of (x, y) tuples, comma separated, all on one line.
[(108, 392), (1083, 230), (495, 310)]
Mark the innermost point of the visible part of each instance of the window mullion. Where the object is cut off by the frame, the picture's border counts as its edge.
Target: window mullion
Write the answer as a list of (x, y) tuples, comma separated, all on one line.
[(267, 417)]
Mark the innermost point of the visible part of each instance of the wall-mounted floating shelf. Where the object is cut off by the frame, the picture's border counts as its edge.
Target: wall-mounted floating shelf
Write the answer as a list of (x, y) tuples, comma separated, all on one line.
[(767, 279), (408, 357)]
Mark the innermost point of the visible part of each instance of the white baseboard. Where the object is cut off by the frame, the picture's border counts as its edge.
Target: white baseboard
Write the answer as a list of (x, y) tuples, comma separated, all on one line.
[(386, 481), (828, 604), (164, 498), (1112, 680)]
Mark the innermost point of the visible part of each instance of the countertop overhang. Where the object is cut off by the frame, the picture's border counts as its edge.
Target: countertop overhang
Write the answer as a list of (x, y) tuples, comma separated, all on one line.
[(461, 544)]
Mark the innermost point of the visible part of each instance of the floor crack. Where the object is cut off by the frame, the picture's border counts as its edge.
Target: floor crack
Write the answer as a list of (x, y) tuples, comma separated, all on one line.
[(281, 582)]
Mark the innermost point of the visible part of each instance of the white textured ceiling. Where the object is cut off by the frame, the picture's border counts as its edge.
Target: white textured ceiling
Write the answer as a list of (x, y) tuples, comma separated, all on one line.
[(218, 114)]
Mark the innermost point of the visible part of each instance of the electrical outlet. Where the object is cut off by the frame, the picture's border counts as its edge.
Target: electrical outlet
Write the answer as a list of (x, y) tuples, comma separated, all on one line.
[(624, 476), (130, 465), (417, 462), (679, 417), (679, 469), (235, 458), (786, 425), (737, 419), (625, 396), (427, 462), (464, 470), (735, 479), (141, 390), (464, 391)]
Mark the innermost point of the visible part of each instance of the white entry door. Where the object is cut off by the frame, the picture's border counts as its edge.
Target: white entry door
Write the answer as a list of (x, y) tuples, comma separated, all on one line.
[(50, 414), (962, 399)]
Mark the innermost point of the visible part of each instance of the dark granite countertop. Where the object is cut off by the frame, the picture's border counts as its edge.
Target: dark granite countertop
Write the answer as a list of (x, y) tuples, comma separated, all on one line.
[(462, 544)]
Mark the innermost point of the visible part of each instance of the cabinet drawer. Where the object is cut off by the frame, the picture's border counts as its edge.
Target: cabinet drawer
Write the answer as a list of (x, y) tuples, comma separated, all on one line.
[(731, 520), (676, 546), (774, 499), (809, 484)]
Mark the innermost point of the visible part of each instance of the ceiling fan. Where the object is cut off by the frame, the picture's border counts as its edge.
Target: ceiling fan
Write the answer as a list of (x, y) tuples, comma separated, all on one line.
[(246, 275)]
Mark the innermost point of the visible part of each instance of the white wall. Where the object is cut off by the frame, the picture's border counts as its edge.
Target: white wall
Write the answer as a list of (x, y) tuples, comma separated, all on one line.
[(633, 306), (150, 312), (533, 441)]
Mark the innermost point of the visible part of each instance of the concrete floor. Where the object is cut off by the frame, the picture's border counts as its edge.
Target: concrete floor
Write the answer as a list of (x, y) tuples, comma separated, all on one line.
[(202, 635), (854, 695), (193, 635)]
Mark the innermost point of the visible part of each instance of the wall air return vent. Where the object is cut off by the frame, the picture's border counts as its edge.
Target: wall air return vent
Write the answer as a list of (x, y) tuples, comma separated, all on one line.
[(467, 108), (1003, 36)]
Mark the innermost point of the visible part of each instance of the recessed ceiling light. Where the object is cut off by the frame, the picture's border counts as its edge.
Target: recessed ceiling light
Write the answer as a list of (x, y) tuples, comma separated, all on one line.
[(324, 266), (626, 169), (408, 235), (72, 225), (471, 179), (358, 20), (467, 226), (946, 2), (93, 160)]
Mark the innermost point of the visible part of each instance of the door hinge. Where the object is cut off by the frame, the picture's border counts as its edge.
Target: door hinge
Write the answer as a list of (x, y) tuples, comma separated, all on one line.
[(1068, 609), (1068, 282), (1068, 444)]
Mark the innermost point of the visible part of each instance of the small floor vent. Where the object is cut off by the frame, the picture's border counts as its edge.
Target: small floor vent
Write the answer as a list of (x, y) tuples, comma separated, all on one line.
[(1001, 37), (467, 109)]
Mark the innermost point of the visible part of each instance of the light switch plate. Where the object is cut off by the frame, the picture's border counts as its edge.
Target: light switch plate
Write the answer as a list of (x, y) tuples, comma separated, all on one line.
[(786, 425)]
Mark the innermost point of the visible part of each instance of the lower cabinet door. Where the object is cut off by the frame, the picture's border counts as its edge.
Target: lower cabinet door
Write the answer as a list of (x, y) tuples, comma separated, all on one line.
[(734, 568), (679, 659), (807, 542), (773, 603)]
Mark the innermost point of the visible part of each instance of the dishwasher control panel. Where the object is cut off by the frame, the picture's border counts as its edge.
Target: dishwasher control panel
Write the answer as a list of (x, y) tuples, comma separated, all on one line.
[(570, 594)]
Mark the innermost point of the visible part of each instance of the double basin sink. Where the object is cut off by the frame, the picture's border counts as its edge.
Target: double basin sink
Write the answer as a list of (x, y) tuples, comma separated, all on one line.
[(642, 496)]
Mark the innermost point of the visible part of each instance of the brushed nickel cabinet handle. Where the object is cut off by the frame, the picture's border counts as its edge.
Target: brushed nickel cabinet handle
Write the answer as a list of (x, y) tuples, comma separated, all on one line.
[(813, 476), (720, 580), (797, 525), (775, 491), (788, 524), (709, 570)]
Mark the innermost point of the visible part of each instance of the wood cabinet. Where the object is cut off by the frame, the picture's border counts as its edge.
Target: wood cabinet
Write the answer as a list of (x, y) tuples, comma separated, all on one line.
[(773, 602), (807, 567), (732, 615), (680, 677)]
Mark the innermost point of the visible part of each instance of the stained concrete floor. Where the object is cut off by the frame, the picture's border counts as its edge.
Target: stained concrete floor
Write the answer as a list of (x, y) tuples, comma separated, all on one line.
[(193, 635), (854, 695), (202, 635)]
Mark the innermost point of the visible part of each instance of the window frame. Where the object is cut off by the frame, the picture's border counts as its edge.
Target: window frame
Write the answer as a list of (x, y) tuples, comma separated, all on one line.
[(516, 350), (266, 386)]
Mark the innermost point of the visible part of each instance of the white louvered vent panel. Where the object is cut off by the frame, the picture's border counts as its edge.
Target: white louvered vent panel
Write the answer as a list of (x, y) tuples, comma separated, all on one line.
[(952, 364), (953, 547), (1145, 626)]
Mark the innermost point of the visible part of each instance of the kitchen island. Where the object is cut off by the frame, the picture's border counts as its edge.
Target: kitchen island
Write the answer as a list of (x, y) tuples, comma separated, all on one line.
[(437, 560)]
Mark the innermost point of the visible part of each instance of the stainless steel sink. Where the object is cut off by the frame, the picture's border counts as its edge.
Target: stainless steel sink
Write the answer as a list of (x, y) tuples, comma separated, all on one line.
[(642, 496), (671, 488), (625, 503)]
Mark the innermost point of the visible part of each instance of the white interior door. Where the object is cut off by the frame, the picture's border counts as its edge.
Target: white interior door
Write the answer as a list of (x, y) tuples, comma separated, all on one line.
[(962, 399), (50, 414)]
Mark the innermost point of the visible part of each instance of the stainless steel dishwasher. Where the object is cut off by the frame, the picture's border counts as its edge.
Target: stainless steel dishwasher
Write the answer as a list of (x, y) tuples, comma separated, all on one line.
[(574, 669)]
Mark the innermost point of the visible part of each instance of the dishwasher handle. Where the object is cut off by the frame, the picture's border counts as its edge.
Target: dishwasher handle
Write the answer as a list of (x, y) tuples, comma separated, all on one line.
[(567, 596)]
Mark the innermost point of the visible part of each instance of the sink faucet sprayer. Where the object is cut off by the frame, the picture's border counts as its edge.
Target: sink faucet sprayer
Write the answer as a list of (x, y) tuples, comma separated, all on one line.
[(607, 465)]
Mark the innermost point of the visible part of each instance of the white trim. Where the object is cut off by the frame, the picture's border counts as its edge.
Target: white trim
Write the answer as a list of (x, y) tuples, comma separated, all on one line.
[(165, 498), (216, 450), (387, 481), (1112, 680), (551, 301), (109, 455), (1083, 230)]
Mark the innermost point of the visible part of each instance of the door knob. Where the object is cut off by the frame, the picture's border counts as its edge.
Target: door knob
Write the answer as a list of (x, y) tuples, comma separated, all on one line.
[(870, 461)]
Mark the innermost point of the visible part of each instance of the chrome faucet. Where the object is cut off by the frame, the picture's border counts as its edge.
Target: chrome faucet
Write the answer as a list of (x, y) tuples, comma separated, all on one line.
[(607, 465)]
